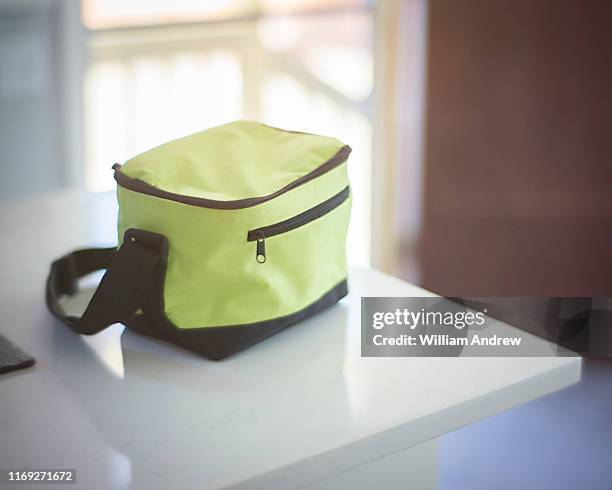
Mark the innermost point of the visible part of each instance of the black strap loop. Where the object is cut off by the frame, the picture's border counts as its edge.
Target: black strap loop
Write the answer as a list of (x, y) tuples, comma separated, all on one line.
[(131, 272)]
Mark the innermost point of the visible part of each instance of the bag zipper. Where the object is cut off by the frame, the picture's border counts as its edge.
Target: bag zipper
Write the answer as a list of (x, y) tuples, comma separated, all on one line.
[(260, 234), (142, 187)]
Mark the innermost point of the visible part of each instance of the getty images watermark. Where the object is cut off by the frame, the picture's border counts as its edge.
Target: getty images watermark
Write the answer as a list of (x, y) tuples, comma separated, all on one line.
[(484, 327)]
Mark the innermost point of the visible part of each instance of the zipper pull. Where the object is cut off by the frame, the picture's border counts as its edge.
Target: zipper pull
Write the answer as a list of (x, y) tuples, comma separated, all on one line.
[(261, 248)]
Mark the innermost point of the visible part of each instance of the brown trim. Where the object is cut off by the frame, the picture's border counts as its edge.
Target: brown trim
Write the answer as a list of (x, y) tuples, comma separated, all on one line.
[(301, 219), (143, 290), (217, 343), (138, 185)]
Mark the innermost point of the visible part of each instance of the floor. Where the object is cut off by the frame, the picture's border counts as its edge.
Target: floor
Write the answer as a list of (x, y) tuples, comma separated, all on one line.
[(562, 441)]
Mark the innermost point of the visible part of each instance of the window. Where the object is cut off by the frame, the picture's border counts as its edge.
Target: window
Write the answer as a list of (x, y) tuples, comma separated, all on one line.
[(304, 71)]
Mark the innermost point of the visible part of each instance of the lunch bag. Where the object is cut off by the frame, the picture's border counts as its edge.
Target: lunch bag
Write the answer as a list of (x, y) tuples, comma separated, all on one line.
[(225, 237)]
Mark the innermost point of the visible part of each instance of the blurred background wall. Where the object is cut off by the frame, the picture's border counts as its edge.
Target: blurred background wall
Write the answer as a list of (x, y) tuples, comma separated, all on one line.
[(518, 168), (34, 86)]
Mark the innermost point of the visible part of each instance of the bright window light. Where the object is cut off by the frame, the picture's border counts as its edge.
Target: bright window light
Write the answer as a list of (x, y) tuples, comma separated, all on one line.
[(146, 88)]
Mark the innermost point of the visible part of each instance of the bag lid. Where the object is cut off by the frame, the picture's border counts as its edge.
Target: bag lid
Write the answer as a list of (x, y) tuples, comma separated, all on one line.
[(239, 160)]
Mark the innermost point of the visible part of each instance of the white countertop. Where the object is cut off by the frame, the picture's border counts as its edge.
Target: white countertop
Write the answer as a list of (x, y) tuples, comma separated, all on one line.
[(126, 411)]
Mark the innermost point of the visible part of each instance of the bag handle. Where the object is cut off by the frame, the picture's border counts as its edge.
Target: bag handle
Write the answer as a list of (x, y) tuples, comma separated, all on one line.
[(131, 272)]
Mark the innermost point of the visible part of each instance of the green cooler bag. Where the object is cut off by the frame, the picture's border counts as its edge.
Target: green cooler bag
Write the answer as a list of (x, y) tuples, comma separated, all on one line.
[(226, 237)]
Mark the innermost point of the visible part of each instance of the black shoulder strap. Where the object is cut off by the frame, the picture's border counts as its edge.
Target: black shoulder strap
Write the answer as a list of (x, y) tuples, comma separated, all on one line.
[(131, 272)]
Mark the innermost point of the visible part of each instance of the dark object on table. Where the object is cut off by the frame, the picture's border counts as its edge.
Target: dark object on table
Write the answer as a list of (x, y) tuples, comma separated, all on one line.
[(12, 357)]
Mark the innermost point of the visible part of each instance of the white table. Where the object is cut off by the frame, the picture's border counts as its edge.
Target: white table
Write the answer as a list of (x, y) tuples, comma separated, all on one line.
[(300, 410)]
